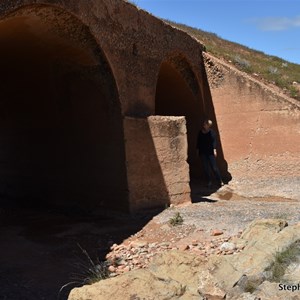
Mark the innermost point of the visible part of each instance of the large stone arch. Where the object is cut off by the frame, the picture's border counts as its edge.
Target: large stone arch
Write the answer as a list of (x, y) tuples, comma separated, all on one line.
[(134, 43), (61, 129), (178, 93)]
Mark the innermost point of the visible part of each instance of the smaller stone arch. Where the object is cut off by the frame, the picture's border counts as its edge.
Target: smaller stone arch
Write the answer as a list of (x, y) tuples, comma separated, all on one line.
[(178, 93)]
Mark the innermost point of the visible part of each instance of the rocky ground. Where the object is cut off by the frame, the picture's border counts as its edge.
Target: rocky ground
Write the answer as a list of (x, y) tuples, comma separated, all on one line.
[(39, 250), (216, 248), (210, 226)]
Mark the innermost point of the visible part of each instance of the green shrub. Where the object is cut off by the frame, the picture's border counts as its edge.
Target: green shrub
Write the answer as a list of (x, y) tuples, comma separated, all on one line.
[(294, 92), (242, 63), (273, 70), (176, 220)]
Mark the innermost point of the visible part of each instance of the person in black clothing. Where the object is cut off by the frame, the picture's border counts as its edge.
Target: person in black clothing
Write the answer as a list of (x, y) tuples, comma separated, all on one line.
[(206, 146)]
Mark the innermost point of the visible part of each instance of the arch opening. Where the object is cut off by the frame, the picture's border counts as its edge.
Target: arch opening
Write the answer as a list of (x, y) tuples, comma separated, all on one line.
[(177, 94), (61, 129)]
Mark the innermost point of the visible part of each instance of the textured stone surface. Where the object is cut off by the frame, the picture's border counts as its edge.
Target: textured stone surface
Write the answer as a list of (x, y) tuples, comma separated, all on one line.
[(271, 290), (258, 128), (158, 174), (262, 240), (190, 275), (170, 276), (109, 60)]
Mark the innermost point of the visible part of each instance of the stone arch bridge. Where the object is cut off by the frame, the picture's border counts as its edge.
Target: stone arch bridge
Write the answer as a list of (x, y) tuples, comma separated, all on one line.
[(100, 106)]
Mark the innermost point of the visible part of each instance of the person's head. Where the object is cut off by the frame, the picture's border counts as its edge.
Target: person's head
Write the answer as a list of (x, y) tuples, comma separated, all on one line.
[(207, 124)]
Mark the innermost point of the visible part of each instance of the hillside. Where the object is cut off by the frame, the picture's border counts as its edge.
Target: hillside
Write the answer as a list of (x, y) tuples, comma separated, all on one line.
[(270, 69)]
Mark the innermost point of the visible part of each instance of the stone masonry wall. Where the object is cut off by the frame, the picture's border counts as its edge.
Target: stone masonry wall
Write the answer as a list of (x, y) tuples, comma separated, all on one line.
[(259, 128), (132, 46), (169, 135), (156, 154)]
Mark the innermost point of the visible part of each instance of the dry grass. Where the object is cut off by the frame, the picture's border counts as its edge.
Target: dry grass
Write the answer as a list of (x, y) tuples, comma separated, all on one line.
[(282, 260), (270, 69)]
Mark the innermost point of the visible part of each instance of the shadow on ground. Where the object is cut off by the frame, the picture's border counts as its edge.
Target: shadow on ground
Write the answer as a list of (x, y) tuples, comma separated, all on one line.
[(40, 250), (200, 192)]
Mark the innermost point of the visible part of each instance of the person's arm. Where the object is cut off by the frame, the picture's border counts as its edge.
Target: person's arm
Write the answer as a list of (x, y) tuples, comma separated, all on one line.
[(214, 142)]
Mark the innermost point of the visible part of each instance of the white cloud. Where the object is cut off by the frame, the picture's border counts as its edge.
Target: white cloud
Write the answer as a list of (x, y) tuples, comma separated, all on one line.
[(277, 23), (291, 49)]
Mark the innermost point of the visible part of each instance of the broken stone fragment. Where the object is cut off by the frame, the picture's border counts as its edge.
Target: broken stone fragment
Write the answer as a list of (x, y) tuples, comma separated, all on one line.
[(183, 247), (227, 246), (216, 232)]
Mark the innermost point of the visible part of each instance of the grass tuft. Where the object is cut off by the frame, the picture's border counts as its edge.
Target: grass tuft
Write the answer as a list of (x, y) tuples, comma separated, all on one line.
[(250, 287), (283, 260), (176, 220), (88, 272)]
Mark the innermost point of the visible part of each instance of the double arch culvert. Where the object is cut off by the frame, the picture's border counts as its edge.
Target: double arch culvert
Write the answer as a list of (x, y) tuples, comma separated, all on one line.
[(91, 103), (79, 81)]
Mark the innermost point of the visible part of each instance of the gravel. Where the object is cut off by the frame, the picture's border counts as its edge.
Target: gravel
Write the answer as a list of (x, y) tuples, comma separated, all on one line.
[(232, 216)]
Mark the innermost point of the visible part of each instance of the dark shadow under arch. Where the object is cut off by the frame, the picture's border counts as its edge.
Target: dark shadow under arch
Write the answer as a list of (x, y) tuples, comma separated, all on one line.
[(62, 157), (177, 94), (61, 130)]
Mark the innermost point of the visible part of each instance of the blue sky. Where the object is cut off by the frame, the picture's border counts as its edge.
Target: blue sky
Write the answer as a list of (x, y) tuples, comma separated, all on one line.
[(270, 26)]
